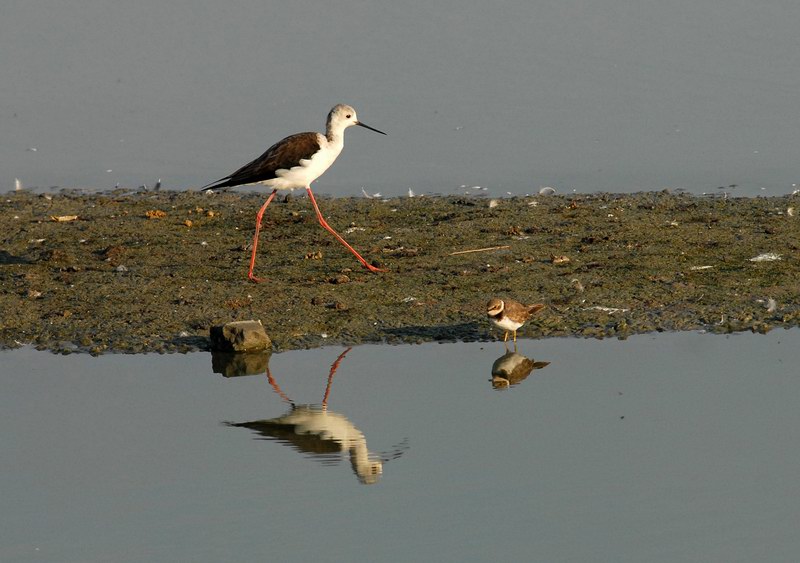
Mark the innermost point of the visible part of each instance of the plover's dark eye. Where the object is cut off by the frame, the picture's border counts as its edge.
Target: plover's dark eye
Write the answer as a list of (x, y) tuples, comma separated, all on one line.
[(348, 116)]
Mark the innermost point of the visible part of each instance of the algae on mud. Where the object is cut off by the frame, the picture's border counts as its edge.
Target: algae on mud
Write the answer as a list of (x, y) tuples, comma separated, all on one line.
[(152, 271)]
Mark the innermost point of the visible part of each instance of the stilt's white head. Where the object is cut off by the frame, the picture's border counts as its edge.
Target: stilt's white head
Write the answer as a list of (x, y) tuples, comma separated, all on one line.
[(343, 116)]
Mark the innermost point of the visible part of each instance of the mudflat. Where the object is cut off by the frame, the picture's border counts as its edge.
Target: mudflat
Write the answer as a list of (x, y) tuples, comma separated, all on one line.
[(153, 271)]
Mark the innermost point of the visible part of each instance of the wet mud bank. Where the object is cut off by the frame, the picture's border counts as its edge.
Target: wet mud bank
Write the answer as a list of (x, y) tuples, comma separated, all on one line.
[(152, 272)]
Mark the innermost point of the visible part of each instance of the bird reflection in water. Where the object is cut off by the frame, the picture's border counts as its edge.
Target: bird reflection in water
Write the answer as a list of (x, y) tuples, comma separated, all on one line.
[(512, 369), (323, 434)]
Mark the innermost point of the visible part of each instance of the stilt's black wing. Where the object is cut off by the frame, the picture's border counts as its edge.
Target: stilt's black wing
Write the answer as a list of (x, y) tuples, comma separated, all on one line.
[(283, 155)]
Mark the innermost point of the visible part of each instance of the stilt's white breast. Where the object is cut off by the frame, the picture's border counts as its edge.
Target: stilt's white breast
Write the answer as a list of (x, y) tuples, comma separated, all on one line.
[(307, 169)]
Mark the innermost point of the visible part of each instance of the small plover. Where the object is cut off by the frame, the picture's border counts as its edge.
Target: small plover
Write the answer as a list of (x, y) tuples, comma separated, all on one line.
[(510, 315)]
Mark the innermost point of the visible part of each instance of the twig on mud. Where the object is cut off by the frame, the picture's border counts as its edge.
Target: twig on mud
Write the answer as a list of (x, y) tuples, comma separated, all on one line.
[(479, 250)]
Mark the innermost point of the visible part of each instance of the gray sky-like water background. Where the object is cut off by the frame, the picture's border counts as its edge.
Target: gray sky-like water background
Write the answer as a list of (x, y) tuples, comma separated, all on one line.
[(669, 447), (510, 95), (662, 448)]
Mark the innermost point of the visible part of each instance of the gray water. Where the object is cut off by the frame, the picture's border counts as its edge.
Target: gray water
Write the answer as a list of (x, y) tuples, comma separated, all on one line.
[(508, 96), (669, 447)]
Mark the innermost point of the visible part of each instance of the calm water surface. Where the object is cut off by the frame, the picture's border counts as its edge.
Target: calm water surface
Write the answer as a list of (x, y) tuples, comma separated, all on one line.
[(510, 96), (675, 447)]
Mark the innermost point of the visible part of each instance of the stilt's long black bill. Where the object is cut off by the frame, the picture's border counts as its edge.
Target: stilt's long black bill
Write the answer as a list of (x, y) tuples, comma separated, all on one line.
[(370, 128)]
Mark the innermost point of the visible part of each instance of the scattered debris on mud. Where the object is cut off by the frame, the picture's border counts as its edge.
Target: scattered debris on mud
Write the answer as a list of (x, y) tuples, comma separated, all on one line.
[(152, 272)]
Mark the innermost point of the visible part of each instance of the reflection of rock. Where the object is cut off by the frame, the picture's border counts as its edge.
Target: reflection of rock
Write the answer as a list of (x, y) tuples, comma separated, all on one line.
[(321, 434), (512, 368), (240, 336), (233, 364)]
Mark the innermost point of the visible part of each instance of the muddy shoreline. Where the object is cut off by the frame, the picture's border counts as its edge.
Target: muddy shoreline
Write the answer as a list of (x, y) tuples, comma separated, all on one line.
[(152, 272)]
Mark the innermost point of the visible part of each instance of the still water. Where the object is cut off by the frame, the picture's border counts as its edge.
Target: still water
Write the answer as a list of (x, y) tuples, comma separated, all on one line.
[(669, 447), (504, 96)]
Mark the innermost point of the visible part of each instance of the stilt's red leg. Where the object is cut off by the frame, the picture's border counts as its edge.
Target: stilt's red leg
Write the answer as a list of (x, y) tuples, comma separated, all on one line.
[(255, 238), (277, 388), (327, 227), (334, 367)]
